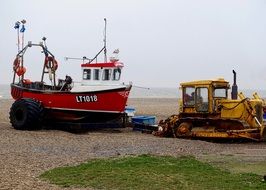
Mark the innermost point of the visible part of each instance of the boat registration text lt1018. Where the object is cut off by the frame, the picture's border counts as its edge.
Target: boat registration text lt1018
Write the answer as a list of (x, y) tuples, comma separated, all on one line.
[(91, 98)]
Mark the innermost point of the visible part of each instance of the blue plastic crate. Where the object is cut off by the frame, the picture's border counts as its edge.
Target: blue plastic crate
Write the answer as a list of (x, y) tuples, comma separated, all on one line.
[(143, 120), (144, 124)]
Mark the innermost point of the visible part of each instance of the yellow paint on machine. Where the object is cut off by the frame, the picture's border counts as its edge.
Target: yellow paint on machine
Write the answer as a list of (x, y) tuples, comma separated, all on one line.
[(206, 111)]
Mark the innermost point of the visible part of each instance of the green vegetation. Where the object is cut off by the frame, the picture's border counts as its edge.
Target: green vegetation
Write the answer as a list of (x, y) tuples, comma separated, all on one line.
[(151, 172), (237, 163)]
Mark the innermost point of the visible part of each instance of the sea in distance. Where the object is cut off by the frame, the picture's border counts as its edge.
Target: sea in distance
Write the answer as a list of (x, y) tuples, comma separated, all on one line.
[(136, 92), (139, 92)]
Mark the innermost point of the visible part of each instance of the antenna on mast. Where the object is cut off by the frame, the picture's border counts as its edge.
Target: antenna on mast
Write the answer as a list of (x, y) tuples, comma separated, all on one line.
[(20, 30), (17, 25), (104, 40)]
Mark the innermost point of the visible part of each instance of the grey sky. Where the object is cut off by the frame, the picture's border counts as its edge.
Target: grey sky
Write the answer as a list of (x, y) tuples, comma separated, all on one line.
[(162, 43)]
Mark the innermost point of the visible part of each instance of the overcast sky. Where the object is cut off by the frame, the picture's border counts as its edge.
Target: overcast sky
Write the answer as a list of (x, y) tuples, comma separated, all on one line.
[(161, 42)]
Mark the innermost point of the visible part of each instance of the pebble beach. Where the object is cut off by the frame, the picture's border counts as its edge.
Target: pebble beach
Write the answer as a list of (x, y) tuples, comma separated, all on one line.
[(26, 154)]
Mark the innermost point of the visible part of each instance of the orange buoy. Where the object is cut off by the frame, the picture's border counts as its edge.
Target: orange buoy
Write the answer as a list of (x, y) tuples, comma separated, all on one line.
[(26, 81)]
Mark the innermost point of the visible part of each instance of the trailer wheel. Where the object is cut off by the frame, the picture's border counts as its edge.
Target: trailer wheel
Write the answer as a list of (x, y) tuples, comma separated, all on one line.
[(26, 114), (183, 129)]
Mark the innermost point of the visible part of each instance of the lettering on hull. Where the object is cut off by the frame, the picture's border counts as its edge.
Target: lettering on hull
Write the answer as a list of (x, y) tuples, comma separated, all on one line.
[(91, 98)]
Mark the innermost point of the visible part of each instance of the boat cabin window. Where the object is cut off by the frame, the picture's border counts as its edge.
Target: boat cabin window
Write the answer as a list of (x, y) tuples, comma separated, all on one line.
[(106, 74), (189, 96), (202, 103), (220, 93), (116, 74), (86, 74), (96, 74)]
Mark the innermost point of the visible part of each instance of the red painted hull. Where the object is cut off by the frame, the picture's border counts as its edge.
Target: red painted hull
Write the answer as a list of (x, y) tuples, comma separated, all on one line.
[(107, 104)]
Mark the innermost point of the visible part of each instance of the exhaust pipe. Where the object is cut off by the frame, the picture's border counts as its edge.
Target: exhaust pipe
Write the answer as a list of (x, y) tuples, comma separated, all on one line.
[(234, 88)]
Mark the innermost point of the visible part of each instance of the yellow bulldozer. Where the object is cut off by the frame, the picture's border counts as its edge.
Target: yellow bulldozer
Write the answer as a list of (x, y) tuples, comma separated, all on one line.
[(206, 111)]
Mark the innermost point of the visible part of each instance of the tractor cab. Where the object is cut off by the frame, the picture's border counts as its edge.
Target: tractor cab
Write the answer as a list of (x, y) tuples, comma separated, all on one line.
[(202, 96)]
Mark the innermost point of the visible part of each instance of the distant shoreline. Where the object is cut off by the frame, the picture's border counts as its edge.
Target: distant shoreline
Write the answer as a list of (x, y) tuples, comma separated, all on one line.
[(151, 93), (130, 98)]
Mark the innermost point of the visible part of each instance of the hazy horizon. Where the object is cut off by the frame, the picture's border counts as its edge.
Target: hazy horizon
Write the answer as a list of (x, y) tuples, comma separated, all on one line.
[(161, 43)]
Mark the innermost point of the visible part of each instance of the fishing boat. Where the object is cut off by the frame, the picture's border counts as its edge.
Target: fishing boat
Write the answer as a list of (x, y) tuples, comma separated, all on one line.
[(98, 98)]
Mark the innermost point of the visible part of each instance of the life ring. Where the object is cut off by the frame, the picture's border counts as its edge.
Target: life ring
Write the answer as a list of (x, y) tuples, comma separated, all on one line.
[(50, 62), (20, 70), (16, 64)]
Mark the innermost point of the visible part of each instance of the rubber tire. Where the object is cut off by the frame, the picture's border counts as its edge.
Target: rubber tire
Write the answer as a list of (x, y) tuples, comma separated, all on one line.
[(26, 114)]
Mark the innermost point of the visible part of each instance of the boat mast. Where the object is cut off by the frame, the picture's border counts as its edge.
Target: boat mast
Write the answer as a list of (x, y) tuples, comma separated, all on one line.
[(17, 25), (20, 58), (104, 40), (104, 49)]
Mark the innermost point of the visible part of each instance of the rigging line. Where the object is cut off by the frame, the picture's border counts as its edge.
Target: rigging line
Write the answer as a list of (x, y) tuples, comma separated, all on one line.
[(142, 87)]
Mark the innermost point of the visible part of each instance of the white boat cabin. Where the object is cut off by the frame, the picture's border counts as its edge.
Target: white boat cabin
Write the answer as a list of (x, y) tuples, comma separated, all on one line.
[(101, 73)]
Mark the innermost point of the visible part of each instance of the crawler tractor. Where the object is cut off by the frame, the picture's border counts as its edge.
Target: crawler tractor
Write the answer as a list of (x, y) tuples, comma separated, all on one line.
[(205, 111)]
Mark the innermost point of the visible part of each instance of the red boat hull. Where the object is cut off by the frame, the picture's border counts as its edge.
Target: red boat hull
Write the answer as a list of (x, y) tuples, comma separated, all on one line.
[(97, 106)]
